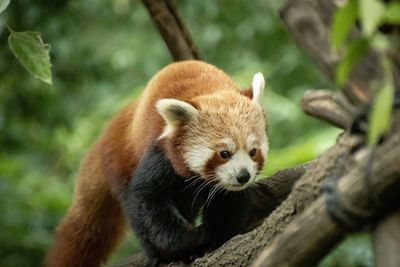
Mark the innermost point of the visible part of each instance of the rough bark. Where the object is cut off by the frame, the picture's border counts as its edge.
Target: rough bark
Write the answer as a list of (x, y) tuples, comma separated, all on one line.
[(172, 30), (309, 22), (330, 107), (354, 192)]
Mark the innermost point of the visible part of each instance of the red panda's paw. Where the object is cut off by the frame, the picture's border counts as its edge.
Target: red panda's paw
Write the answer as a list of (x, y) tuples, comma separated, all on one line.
[(197, 244), (197, 235)]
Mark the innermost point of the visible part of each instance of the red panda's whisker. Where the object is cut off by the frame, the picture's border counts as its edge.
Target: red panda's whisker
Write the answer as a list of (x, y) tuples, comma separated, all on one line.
[(210, 196), (201, 187), (194, 181), (193, 177), (216, 189)]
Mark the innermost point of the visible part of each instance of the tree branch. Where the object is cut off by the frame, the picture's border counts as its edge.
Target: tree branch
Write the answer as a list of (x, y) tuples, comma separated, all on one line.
[(315, 222), (172, 30), (268, 193), (330, 107), (309, 22)]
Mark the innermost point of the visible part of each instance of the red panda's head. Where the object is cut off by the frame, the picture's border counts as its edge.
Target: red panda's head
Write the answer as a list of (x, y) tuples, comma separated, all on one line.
[(220, 137)]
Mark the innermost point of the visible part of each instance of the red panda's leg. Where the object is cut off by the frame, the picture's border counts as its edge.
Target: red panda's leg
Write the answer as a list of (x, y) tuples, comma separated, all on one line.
[(162, 229), (93, 225), (224, 218)]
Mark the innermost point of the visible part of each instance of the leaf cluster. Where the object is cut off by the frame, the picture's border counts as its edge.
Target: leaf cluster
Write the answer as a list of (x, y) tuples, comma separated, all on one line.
[(356, 29)]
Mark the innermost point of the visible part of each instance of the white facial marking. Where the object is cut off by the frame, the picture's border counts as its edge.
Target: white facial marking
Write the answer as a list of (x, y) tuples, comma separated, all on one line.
[(197, 157), (250, 142), (228, 172), (229, 143), (258, 85), (264, 147)]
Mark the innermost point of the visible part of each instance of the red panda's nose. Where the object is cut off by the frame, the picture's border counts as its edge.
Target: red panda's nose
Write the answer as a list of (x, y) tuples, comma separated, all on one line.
[(243, 176)]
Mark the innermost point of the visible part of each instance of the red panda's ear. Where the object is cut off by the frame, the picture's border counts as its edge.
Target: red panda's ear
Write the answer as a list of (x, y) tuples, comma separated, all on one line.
[(175, 112), (257, 86)]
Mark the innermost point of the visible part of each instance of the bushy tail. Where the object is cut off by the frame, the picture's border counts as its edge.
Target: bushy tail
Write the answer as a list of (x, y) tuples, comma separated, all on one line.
[(92, 227)]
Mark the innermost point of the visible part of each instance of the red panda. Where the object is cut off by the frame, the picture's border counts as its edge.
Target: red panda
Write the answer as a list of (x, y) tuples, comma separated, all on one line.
[(191, 144)]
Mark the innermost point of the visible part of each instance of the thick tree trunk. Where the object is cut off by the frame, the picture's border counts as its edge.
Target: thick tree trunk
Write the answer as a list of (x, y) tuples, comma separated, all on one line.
[(317, 226)]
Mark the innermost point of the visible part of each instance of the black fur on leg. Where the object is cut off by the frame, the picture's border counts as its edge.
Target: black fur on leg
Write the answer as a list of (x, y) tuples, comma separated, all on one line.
[(158, 212), (225, 217)]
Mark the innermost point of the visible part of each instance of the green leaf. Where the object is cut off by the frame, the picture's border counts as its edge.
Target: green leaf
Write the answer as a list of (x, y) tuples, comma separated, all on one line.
[(343, 21), (380, 116), (392, 14), (381, 43), (371, 15), (356, 50), (30, 50), (3, 5)]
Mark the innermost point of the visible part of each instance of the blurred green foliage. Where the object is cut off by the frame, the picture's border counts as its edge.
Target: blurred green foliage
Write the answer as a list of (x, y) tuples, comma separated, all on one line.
[(355, 251), (373, 17), (103, 52)]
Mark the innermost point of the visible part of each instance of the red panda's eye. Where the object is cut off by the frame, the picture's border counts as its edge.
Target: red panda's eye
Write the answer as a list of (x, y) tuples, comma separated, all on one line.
[(253, 152), (225, 154)]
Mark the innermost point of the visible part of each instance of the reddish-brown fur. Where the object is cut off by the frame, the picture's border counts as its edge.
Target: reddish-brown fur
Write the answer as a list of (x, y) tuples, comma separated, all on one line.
[(259, 159), (247, 92), (212, 163), (95, 222)]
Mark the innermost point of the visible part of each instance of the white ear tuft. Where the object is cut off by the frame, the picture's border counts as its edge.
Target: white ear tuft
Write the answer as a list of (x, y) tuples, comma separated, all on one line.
[(175, 112), (258, 85)]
